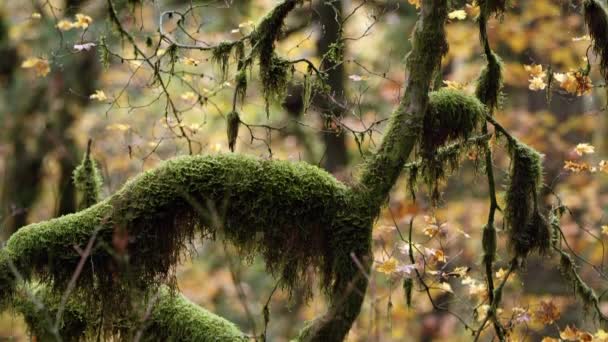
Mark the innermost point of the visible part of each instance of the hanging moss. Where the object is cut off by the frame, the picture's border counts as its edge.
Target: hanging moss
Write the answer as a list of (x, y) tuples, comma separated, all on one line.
[(596, 18), (233, 121), (273, 69), (451, 116), (241, 85), (87, 180), (581, 289), (528, 227), (490, 82), (221, 56), (488, 243)]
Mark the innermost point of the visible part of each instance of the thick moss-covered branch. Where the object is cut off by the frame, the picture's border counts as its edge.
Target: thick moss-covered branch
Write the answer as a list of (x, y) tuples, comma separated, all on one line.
[(170, 317), (287, 212), (405, 125)]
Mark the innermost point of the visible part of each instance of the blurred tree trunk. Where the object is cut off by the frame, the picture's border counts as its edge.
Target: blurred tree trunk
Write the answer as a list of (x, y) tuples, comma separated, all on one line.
[(38, 125), (330, 48)]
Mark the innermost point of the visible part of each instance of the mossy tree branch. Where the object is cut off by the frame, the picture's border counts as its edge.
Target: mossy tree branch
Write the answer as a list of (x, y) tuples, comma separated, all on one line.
[(405, 125)]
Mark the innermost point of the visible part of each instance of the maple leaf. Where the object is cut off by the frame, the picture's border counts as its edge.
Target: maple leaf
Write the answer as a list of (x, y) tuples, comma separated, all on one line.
[(584, 148), (82, 21), (535, 70), (547, 313), (64, 25), (457, 14), (537, 83), (416, 3), (389, 266), (41, 66)]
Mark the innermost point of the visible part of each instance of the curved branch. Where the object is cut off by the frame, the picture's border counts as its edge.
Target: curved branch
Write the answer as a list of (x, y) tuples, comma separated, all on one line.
[(284, 211)]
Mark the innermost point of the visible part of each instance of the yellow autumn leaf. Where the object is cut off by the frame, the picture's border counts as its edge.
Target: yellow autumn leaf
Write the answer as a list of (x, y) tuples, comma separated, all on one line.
[(36, 15), (82, 21), (603, 166), (41, 66), (99, 95), (584, 148), (453, 85), (65, 25), (457, 14), (534, 70), (416, 3), (569, 333), (501, 273), (537, 83), (389, 266)]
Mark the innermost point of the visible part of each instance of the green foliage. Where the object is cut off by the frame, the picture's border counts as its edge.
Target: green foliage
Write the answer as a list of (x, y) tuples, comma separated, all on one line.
[(233, 121), (528, 228), (241, 85), (596, 18)]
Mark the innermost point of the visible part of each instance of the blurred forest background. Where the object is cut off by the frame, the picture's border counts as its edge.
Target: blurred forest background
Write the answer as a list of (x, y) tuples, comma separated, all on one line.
[(67, 77)]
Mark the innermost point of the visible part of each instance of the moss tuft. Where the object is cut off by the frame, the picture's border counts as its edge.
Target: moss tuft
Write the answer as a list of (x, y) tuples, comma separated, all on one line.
[(490, 83), (87, 180), (233, 121), (241, 85), (596, 18), (528, 228), (452, 116)]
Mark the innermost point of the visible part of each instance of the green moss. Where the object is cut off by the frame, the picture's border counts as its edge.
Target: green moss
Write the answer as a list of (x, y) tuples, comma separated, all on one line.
[(451, 116), (274, 71), (221, 56), (175, 318), (528, 227), (490, 83), (241, 85), (293, 214), (87, 180), (40, 315), (596, 18)]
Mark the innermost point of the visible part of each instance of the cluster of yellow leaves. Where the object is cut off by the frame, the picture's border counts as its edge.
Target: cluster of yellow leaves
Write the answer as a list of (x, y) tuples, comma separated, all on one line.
[(577, 167), (432, 228), (574, 334), (190, 61), (574, 82), (82, 21), (546, 313), (458, 14), (40, 65), (476, 288), (537, 77)]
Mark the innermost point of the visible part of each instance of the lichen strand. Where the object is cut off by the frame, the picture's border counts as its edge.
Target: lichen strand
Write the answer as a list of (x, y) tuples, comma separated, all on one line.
[(175, 318), (528, 228), (451, 116), (596, 18), (490, 82), (290, 213), (274, 71), (88, 182)]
